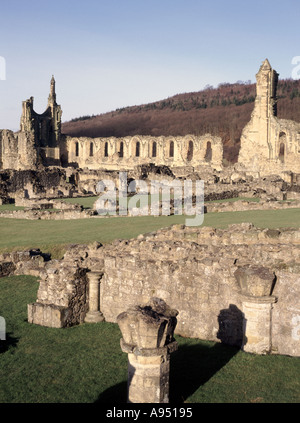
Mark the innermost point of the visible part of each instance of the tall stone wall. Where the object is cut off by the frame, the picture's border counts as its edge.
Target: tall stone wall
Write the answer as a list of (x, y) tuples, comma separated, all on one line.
[(1, 163), (269, 145), (9, 150), (38, 141), (114, 153)]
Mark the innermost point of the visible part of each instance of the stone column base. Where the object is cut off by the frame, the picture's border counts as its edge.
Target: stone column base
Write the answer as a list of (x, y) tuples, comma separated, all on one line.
[(257, 324), (148, 373), (94, 317)]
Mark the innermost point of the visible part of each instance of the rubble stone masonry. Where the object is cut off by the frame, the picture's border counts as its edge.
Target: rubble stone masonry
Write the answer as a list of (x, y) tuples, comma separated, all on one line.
[(215, 278)]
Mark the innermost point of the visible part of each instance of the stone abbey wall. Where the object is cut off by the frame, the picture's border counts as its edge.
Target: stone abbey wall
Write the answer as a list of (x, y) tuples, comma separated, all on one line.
[(40, 143), (268, 145), (128, 152), (237, 285)]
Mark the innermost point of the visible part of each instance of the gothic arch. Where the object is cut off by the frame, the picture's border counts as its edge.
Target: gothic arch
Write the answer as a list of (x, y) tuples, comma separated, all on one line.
[(121, 149), (106, 149), (171, 149), (91, 149), (208, 153), (154, 149), (282, 147), (137, 149), (77, 149), (190, 151)]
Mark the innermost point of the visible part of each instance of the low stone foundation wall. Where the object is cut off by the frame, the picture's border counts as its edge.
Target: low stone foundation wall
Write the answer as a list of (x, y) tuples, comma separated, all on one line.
[(238, 285), (243, 205), (77, 212), (38, 214), (62, 297), (30, 262)]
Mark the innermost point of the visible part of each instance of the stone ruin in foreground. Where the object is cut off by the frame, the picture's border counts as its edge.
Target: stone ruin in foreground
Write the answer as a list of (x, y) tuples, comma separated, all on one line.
[(238, 285)]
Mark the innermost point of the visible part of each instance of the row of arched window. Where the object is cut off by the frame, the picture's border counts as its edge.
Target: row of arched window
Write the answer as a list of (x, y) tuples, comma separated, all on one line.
[(91, 149), (189, 157)]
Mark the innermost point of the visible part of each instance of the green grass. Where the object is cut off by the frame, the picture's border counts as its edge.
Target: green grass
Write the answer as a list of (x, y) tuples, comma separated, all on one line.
[(86, 202), (85, 364), (53, 236), (10, 207), (51, 365)]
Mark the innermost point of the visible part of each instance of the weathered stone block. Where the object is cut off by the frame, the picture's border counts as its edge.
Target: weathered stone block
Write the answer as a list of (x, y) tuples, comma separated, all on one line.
[(48, 315), (255, 281)]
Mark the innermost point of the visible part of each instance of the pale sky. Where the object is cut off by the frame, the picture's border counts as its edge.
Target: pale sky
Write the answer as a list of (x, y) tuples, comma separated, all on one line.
[(107, 54)]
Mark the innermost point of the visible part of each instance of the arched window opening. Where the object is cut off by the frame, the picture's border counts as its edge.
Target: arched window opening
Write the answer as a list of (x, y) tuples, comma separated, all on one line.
[(137, 149), (77, 149), (282, 146), (106, 150), (208, 154), (154, 149), (171, 149), (40, 130), (91, 149), (121, 152), (190, 152), (281, 152), (270, 151)]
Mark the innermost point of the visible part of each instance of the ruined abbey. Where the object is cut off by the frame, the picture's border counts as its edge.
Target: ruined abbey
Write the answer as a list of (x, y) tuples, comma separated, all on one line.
[(238, 285), (268, 145)]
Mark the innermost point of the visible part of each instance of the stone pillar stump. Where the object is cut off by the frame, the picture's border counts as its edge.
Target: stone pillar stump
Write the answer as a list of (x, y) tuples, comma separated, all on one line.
[(148, 339), (94, 314), (257, 284), (257, 324)]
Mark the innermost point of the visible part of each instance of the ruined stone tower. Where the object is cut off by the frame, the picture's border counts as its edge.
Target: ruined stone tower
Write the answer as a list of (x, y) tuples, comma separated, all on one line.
[(56, 113), (268, 144), (43, 131), (38, 141), (266, 100)]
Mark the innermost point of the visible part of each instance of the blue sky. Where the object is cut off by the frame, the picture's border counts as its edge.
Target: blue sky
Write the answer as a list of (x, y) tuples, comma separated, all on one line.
[(107, 54)]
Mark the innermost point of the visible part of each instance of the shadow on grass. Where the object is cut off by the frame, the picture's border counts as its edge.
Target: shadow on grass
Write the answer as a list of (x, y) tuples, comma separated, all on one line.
[(9, 342), (192, 366), (115, 395)]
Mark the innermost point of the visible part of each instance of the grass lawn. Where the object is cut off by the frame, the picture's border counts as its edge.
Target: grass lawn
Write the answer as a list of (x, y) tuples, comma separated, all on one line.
[(53, 236), (10, 207), (86, 202), (85, 364)]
